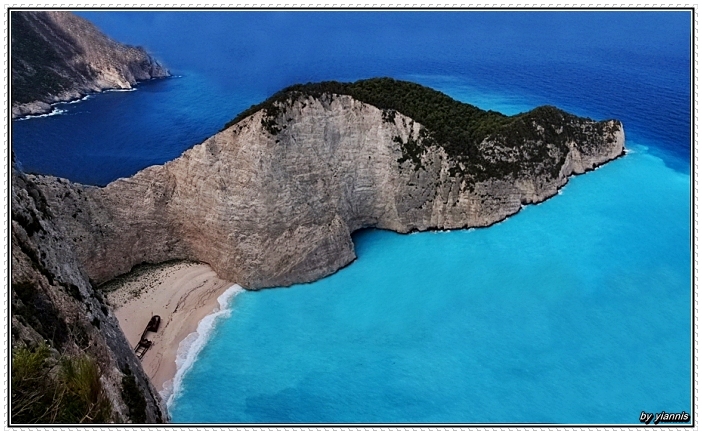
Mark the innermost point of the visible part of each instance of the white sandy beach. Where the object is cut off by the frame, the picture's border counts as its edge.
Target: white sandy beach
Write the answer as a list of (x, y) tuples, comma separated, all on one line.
[(182, 294)]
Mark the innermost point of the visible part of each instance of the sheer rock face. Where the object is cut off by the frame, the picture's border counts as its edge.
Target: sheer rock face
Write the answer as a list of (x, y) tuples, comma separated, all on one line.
[(58, 56), (272, 210), (53, 301)]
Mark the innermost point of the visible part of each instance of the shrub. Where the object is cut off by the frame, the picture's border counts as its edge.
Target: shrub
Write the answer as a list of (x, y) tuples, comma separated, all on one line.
[(457, 127), (49, 390)]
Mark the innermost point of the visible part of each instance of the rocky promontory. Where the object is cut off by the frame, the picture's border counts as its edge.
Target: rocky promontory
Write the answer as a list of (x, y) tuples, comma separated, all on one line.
[(273, 198), (57, 56), (71, 362)]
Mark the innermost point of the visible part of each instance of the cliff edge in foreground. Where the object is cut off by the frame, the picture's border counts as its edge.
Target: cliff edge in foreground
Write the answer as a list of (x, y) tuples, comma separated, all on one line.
[(58, 56), (70, 360), (272, 199)]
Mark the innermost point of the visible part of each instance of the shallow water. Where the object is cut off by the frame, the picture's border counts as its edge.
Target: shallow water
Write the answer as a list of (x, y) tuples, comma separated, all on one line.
[(576, 310)]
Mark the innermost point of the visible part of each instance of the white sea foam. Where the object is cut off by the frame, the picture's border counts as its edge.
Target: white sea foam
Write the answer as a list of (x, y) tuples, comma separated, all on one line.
[(190, 347), (55, 111), (120, 90), (76, 101)]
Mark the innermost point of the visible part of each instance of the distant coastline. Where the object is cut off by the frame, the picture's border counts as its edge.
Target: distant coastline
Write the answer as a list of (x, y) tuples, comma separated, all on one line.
[(38, 110), (61, 57), (514, 320)]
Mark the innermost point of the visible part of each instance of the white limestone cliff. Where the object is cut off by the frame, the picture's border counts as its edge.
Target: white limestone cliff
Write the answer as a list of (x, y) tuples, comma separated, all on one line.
[(272, 210)]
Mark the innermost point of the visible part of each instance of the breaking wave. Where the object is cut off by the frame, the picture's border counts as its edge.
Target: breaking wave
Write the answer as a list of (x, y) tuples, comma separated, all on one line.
[(77, 100), (120, 90), (55, 111), (190, 347)]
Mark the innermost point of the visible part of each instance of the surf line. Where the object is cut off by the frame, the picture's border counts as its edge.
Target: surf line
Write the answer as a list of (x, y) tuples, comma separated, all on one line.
[(192, 345)]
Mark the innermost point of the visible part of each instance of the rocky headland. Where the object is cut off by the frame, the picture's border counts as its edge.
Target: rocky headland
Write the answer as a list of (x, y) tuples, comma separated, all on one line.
[(71, 362), (59, 314), (273, 198), (57, 56)]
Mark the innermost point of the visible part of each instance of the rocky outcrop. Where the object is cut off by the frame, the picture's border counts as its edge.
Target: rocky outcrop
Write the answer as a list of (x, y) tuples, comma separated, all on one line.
[(272, 200), (58, 56), (54, 303)]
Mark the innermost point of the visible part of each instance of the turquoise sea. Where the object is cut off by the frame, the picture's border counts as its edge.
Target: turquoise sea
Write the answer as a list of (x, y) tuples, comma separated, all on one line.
[(574, 311)]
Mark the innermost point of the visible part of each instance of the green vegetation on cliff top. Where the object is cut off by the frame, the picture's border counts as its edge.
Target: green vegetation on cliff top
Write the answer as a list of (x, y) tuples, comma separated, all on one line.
[(535, 140)]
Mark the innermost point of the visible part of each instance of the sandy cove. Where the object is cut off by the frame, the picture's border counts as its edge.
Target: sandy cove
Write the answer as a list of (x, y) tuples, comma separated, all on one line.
[(182, 293)]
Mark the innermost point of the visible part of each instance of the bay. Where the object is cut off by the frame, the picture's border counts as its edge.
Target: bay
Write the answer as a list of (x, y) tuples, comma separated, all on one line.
[(577, 310)]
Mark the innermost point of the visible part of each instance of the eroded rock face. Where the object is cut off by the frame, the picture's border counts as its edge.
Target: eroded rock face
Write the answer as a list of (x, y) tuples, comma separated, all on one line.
[(272, 210), (53, 302), (58, 56)]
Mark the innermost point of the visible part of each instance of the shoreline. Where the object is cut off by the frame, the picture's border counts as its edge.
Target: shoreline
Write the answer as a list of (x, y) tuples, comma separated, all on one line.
[(182, 294), (42, 109)]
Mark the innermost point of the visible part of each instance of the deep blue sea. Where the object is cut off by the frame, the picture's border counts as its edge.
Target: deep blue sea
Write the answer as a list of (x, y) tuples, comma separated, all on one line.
[(576, 310)]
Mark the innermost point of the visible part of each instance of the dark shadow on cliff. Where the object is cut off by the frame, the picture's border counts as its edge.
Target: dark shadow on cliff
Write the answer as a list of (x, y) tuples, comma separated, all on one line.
[(40, 69)]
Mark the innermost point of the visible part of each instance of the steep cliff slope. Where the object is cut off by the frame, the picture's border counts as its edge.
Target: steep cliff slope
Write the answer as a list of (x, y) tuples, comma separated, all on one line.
[(53, 303), (58, 56), (273, 198)]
